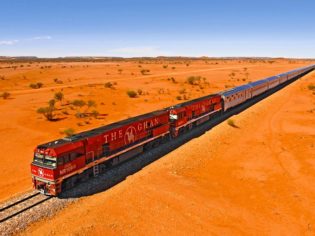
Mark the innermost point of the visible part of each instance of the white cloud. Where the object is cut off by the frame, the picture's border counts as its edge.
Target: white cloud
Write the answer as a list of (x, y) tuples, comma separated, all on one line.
[(46, 37), (137, 51), (9, 42)]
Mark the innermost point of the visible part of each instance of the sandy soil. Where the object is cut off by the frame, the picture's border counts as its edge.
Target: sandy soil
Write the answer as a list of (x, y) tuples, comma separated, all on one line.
[(259, 178)]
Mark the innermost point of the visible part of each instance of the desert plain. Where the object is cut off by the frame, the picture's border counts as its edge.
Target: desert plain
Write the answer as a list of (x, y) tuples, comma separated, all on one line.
[(254, 179)]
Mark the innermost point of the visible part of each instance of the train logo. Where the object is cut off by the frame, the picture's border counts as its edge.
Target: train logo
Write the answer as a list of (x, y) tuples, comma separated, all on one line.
[(130, 135), (40, 172)]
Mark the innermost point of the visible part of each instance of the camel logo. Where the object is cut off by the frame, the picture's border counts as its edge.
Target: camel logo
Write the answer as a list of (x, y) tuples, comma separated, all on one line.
[(40, 172), (130, 135)]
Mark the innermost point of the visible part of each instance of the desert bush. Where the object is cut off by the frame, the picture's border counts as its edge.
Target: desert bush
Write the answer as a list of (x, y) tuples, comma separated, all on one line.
[(95, 113), (179, 97), (144, 71), (131, 94), (5, 95), (232, 75), (2, 77), (68, 132), (193, 80), (120, 71), (52, 103), (90, 104), (140, 91), (78, 103), (173, 68), (182, 91), (36, 85), (311, 87), (58, 81), (59, 96), (65, 112), (232, 123), (108, 85), (47, 112), (165, 66)]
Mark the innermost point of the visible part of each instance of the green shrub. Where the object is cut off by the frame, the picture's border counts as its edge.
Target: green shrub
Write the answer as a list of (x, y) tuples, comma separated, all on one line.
[(108, 85), (131, 94), (182, 91), (59, 96), (5, 95), (145, 71), (68, 132), (36, 85), (47, 112), (232, 123), (140, 91), (311, 87), (95, 113), (193, 80)]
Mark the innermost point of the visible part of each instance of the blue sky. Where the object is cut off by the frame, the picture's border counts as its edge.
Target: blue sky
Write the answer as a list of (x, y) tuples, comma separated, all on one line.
[(276, 28)]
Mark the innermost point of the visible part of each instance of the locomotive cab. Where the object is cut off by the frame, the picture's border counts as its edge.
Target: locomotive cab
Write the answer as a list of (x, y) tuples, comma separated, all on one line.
[(43, 169)]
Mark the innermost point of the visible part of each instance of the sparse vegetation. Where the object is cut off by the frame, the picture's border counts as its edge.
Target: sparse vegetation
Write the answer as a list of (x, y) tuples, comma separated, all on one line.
[(131, 94), (145, 71), (68, 132), (47, 112), (193, 80), (232, 123), (58, 81), (165, 66), (95, 114), (109, 85), (179, 97), (5, 95), (182, 91), (140, 91), (232, 75), (36, 85), (59, 96), (311, 87)]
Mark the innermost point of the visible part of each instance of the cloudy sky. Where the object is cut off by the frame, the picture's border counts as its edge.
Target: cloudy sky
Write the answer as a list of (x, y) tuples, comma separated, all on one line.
[(157, 27)]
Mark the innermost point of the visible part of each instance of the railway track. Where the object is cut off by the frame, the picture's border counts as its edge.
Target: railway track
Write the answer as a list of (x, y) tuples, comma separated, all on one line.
[(19, 206)]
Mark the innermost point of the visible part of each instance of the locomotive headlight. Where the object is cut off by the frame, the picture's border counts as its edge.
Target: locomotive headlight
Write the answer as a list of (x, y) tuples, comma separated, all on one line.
[(173, 117)]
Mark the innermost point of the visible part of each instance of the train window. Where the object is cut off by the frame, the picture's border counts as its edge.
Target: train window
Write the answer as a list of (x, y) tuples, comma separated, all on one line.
[(38, 157), (50, 161), (73, 156), (66, 158), (60, 161)]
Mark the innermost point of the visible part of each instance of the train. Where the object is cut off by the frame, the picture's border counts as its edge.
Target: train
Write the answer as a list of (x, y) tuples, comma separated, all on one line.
[(61, 164)]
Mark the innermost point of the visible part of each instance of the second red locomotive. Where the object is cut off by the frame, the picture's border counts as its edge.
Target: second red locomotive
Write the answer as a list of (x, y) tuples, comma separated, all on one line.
[(60, 164)]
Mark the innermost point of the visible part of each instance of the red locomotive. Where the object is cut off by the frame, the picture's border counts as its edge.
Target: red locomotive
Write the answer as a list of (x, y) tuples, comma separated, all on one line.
[(61, 164)]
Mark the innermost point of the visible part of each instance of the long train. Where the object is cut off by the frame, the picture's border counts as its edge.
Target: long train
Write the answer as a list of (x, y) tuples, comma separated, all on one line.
[(61, 164)]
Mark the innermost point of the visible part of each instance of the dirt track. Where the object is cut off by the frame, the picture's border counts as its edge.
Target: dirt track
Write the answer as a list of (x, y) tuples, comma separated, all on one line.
[(255, 179)]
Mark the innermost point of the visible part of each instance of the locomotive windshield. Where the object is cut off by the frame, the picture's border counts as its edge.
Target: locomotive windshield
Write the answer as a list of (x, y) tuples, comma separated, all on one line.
[(45, 160)]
